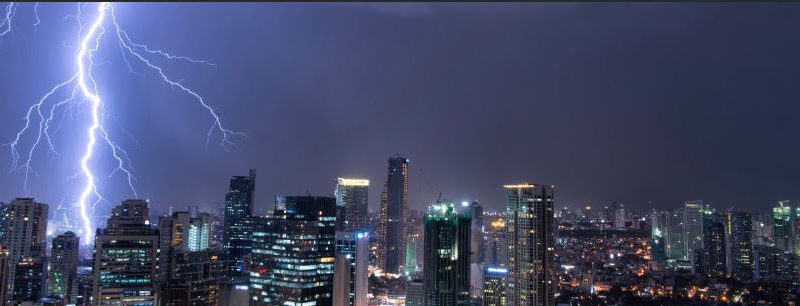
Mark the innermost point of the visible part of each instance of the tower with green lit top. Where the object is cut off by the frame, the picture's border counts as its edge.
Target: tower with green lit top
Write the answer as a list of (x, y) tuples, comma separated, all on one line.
[(447, 256)]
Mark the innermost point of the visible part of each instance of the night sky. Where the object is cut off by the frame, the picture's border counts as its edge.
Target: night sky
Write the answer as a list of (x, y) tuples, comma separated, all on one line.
[(649, 104)]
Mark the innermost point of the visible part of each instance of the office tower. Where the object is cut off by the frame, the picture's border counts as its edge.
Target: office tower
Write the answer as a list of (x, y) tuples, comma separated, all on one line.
[(414, 242), (763, 229), (302, 233), (183, 232), (477, 244), (392, 231), (29, 280), (619, 214), (738, 238), (62, 280), (658, 241), (350, 273), (126, 258), (693, 225), (476, 281), (215, 241), (713, 243), (415, 293), (782, 227), (352, 199), (4, 270), (195, 278), (494, 285), (447, 243), (238, 226), (26, 227), (497, 245), (531, 242), (772, 262)]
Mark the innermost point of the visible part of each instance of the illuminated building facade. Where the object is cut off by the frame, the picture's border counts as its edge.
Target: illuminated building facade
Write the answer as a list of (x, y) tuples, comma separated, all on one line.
[(352, 198), (238, 223), (294, 253), (126, 260), (713, 244), (738, 236), (196, 278), (693, 225), (497, 245), (350, 273), (26, 227), (394, 205), (783, 227), (531, 243), (62, 280), (494, 285), (447, 258)]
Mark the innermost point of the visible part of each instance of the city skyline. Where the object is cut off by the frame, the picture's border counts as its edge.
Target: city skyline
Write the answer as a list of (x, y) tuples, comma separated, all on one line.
[(651, 125)]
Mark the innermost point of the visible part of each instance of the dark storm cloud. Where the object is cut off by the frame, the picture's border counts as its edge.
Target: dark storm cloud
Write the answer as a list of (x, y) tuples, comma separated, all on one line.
[(651, 104)]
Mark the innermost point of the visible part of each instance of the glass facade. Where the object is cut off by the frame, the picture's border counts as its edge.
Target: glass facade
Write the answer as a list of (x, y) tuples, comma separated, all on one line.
[(294, 253)]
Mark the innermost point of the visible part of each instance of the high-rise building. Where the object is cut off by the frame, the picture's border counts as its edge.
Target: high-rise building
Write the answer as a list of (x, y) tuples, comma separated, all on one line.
[(126, 260), (26, 227), (195, 278), (531, 244), (693, 225), (494, 285), (394, 205), (447, 258), (415, 293), (62, 280), (29, 280), (782, 227), (238, 223), (294, 253), (772, 262), (477, 244), (183, 232), (496, 244), (352, 199), (350, 273), (738, 236), (414, 242), (713, 243)]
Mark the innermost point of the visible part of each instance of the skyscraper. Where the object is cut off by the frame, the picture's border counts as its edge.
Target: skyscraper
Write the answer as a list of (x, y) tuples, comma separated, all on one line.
[(62, 280), (782, 227), (352, 199), (714, 243), (294, 253), (195, 278), (531, 241), (394, 202), (738, 236), (477, 244), (126, 258), (350, 273), (238, 212), (494, 285), (26, 227), (497, 244), (693, 225), (447, 258)]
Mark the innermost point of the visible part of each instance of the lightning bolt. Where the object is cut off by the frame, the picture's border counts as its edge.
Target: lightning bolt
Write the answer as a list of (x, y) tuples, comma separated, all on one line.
[(83, 89)]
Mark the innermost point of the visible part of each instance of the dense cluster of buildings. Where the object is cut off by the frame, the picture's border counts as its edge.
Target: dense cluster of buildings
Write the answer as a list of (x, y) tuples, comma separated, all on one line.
[(331, 250)]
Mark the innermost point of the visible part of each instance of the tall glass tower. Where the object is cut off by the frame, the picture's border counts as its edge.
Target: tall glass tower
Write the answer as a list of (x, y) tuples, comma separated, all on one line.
[(238, 223), (394, 205), (531, 243), (447, 256)]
